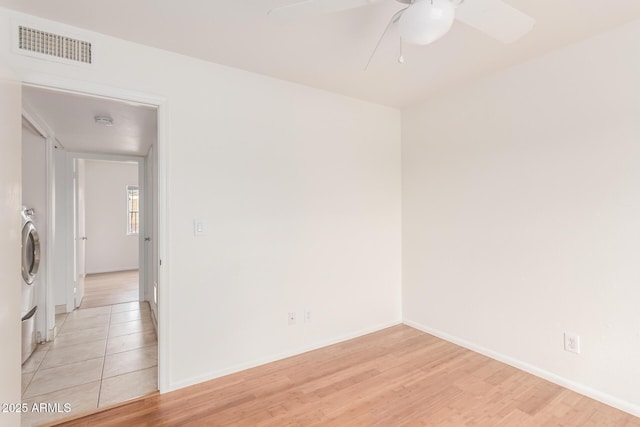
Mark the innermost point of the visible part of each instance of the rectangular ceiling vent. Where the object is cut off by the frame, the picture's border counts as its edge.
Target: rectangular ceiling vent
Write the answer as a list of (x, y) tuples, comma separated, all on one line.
[(55, 45)]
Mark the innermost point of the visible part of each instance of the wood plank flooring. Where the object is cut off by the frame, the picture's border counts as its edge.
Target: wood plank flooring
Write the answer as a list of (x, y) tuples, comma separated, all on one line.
[(395, 377), (110, 288)]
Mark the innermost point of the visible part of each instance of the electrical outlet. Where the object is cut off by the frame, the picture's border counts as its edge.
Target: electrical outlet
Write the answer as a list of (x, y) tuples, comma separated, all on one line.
[(307, 316), (292, 318), (572, 342)]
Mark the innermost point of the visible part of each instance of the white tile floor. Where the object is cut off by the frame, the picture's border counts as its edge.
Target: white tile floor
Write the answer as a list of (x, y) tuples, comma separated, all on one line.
[(101, 356)]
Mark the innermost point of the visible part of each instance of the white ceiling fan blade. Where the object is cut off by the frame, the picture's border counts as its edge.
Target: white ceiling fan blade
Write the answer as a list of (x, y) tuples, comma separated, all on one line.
[(392, 21), (316, 7), (496, 19)]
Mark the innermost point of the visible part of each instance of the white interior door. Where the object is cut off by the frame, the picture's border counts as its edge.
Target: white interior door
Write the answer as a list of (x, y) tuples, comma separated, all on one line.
[(10, 280), (80, 234), (155, 257), (150, 231)]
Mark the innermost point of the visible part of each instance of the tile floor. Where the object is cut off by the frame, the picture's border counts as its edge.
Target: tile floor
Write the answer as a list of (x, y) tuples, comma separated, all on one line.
[(100, 356)]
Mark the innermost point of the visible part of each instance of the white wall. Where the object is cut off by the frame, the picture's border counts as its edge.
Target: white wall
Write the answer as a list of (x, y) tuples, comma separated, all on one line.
[(10, 228), (151, 229), (299, 190), (80, 229), (108, 246), (60, 202), (521, 215), (34, 196), (34, 191)]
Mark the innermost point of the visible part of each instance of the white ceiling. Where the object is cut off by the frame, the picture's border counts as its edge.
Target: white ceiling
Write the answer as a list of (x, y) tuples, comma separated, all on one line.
[(71, 117), (329, 51)]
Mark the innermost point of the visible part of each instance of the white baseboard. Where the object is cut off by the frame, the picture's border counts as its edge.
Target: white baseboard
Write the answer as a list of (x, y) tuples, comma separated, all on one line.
[(153, 319), (252, 364), (52, 333), (113, 270), (605, 398)]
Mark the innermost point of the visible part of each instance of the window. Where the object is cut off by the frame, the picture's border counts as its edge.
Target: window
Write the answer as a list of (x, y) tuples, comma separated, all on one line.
[(133, 210)]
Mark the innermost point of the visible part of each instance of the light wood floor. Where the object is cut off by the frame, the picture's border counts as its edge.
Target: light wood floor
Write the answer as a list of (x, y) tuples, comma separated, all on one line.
[(110, 288), (395, 377)]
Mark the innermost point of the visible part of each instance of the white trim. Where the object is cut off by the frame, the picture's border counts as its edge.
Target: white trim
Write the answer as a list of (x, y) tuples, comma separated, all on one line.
[(273, 358), (72, 157), (145, 209), (95, 90), (147, 231), (42, 127), (36, 121), (142, 226), (162, 173), (74, 215), (49, 311), (39, 123), (106, 157), (605, 398), (114, 270), (69, 176)]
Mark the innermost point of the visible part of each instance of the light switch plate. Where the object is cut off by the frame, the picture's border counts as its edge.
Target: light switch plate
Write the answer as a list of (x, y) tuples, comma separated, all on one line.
[(198, 228)]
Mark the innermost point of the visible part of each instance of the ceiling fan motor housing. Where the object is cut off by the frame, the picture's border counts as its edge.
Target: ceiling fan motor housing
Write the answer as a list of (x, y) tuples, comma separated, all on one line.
[(425, 21)]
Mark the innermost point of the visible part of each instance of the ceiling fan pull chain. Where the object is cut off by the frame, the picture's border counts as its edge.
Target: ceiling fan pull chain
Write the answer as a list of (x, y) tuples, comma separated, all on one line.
[(401, 57), (393, 20)]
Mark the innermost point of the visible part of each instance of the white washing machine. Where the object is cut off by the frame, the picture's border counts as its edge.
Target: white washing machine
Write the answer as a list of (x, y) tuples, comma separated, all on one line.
[(30, 264)]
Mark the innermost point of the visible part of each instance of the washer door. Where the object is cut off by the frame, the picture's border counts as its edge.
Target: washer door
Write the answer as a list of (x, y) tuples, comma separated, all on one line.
[(30, 252)]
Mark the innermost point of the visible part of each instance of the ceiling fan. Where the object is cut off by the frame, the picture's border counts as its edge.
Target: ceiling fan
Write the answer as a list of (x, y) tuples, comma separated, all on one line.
[(422, 22)]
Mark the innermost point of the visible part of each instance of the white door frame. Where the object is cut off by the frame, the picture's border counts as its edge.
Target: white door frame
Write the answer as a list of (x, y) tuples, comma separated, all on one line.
[(150, 234), (162, 147), (72, 158), (46, 328)]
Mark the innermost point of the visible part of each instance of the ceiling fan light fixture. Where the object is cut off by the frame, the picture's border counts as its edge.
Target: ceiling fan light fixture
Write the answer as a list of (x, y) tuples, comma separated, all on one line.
[(425, 21)]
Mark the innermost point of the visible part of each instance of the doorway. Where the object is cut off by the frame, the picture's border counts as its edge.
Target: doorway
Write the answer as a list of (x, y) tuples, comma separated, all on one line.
[(107, 226), (100, 315)]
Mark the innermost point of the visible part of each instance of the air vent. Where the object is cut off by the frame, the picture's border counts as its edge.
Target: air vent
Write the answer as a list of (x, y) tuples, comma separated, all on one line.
[(54, 45)]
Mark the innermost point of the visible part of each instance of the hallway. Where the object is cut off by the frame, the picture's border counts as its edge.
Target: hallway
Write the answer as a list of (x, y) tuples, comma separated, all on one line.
[(110, 288), (100, 356)]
